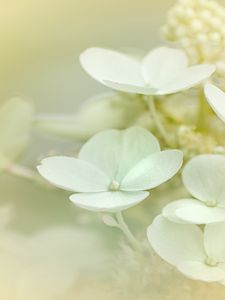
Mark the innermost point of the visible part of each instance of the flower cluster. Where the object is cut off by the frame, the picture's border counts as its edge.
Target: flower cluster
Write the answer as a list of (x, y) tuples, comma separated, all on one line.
[(198, 27), (115, 169), (175, 236)]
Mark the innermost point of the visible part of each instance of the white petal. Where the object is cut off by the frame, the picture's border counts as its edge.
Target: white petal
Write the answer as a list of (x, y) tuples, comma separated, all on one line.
[(73, 174), (216, 99), (200, 271), (193, 211), (116, 152), (104, 64), (108, 201), (174, 242), (214, 240), (161, 64), (153, 170), (186, 79), (199, 213), (169, 211), (204, 177), (131, 88)]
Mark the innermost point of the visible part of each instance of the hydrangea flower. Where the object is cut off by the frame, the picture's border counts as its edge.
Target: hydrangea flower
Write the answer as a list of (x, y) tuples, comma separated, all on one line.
[(113, 169), (204, 177), (198, 27), (16, 116), (162, 71), (198, 254), (216, 99)]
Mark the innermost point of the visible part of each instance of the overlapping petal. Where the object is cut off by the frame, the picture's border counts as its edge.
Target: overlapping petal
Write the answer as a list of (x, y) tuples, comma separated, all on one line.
[(216, 99), (163, 71), (131, 88), (170, 210), (214, 241), (200, 271), (197, 254), (73, 174), (153, 170), (108, 65), (174, 242), (204, 177), (193, 211), (200, 214), (187, 79), (162, 64), (108, 201), (116, 152)]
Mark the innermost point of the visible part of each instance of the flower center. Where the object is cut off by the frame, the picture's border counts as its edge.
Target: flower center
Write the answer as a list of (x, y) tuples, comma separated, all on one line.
[(210, 262), (114, 186), (211, 203)]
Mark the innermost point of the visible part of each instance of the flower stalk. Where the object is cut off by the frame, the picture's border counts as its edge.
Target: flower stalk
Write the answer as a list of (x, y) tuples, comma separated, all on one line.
[(122, 225), (155, 116)]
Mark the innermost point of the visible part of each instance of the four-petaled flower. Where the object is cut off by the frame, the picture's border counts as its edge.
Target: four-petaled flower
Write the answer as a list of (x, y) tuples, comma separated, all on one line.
[(162, 71), (113, 170), (204, 178), (198, 254)]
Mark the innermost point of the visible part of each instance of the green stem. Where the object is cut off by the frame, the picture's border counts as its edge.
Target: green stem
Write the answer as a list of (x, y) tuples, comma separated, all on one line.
[(159, 125), (125, 229)]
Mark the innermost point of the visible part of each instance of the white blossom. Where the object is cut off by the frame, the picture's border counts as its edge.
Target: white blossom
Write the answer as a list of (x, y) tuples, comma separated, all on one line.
[(162, 71), (114, 169), (198, 254), (204, 178)]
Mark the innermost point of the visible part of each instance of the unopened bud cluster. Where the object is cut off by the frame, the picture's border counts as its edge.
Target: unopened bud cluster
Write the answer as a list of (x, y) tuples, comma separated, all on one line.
[(193, 143), (198, 26)]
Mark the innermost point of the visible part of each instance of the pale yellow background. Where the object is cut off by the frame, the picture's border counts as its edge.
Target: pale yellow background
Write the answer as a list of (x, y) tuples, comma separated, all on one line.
[(40, 42)]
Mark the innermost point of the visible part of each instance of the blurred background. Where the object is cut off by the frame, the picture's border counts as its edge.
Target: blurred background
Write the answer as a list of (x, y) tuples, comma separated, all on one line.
[(39, 57), (41, 42), (46, 241)]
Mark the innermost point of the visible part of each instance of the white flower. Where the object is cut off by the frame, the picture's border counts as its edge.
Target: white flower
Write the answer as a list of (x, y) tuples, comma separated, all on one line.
[(162, 71), (204, 178), (16, 117), (216, 99), (198, 255), (113, 170)]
